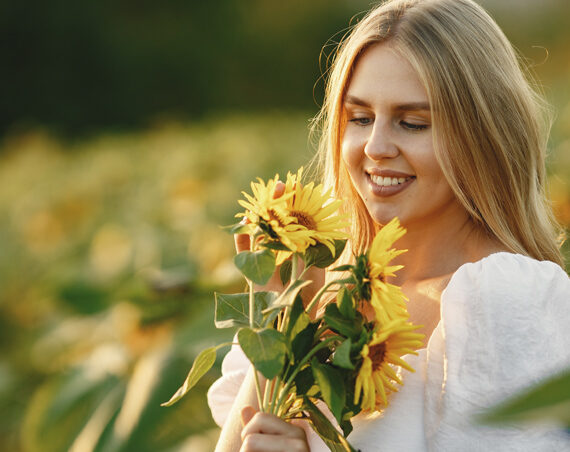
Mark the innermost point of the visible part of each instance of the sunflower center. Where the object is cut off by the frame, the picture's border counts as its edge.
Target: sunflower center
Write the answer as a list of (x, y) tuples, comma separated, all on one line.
[(304, 220), (275, 216), (380, 277), (376, 354)]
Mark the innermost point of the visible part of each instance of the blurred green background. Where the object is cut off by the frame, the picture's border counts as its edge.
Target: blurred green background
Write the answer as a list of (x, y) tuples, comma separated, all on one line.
[(128, 130)]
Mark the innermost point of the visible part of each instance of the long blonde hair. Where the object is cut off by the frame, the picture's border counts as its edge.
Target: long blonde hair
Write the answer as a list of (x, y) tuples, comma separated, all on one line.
[(490, 126)]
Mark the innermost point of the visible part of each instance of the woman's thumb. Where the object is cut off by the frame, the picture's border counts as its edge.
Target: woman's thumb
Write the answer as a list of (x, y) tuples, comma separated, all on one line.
[(246, 414)]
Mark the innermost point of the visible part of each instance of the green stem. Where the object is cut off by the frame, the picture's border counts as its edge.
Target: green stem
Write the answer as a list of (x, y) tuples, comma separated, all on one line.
[(320, 293), (318, 296), (289, 382), (251, 303), (321, 330), (274, 394), (252, 324), (294, 260), (258, 390), (266, 396)]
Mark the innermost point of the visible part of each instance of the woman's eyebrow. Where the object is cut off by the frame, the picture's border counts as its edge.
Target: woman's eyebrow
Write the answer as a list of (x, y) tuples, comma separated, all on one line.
[(407, 106), (353, 100), (413, 106)]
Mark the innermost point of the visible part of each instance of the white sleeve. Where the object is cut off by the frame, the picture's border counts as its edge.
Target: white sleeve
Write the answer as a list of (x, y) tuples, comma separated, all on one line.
[(505, 326), (224, 390)]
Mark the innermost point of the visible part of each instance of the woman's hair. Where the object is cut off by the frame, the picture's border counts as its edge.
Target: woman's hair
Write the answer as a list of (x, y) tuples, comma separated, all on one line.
[(490, 127)]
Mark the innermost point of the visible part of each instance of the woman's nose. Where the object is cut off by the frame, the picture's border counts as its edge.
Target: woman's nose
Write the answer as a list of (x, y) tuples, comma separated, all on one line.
[(380, 144)]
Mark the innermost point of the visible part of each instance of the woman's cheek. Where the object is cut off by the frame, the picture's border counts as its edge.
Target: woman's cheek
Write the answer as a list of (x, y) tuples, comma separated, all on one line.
[(351, 152)]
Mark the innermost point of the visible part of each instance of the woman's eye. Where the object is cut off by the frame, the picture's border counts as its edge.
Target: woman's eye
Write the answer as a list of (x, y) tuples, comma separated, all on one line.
[(412, 126), (361, 121)]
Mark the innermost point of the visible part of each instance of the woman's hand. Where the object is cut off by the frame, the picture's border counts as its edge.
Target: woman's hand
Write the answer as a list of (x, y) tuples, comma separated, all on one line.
[(264, 432)]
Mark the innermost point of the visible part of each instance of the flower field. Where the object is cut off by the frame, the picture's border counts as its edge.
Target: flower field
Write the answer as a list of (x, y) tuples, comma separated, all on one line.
[(110, 251)]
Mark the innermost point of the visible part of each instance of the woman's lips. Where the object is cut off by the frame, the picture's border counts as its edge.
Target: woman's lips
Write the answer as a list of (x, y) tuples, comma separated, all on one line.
[(389, 183)]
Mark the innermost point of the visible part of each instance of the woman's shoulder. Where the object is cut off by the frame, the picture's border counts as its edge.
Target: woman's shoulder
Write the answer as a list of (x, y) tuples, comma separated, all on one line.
[(504, 326), (504, 291), (510, 304), (508, 275)]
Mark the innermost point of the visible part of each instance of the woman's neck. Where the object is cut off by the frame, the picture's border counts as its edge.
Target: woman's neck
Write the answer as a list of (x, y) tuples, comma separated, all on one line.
[(437, 249)]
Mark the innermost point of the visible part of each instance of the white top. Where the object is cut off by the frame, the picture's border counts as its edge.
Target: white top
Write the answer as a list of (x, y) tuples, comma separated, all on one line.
[(505, 325)]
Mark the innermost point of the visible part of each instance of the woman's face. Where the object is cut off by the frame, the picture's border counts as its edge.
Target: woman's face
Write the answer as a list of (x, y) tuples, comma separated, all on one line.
[(387, 144)]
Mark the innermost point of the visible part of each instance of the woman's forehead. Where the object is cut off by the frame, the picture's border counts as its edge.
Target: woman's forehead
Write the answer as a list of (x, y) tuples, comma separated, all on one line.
[(381, 74)]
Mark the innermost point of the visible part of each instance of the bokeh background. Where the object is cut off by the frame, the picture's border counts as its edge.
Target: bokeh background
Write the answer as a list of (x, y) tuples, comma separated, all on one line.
[(127, 131)]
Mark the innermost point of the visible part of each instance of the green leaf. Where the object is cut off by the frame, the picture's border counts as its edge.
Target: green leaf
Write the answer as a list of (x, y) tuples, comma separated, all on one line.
[(202, 364), (342, 268), (341, 357), (83, 297), (287, 297), (346, 425), (335, 441), (257, 266), (345, 303), (285, 271), (549, 401), (331, 384), (238, 228), (304, 381), (303, 341), (320, 255), (233, 310), (274, 245), (298, 318), (340, 324), (265, 348)]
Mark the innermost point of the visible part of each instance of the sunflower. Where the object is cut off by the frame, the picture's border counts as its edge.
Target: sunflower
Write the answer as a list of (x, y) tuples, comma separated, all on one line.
[(270, 215), (315, 210), (299, 218), (385, 348), (387, 299)]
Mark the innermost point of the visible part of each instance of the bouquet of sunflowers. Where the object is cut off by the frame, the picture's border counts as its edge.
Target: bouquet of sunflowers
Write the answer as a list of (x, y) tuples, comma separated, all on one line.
[(347, 359)]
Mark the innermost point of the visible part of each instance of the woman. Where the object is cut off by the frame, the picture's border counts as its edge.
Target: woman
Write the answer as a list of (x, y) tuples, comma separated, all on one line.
[(429, 118)]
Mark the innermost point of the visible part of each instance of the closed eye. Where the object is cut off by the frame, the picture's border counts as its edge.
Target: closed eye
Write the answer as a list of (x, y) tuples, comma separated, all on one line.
[(413, 127), (361, 121)]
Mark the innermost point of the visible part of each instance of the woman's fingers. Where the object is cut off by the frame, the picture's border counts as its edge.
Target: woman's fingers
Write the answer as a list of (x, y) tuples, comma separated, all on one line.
[(242, 240), (270, 424), (266, 432), (246, 414), (258, 442), (279, 189)]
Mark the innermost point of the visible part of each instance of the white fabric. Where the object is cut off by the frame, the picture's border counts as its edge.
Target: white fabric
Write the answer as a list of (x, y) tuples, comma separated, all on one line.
[(505, 325)]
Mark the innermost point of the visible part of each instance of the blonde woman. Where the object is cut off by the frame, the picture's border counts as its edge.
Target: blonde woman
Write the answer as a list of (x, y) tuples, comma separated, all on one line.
[(428, 117)]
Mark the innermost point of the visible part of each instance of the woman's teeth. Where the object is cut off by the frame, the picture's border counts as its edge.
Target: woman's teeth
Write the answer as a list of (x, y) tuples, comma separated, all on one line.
[(388, 181)]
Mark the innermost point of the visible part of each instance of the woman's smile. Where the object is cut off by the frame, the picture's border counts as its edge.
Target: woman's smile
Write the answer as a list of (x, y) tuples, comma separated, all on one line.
[(388, 182)]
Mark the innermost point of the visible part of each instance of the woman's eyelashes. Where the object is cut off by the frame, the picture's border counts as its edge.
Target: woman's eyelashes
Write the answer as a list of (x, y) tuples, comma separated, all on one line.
[(410, 126), (361, 121)]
